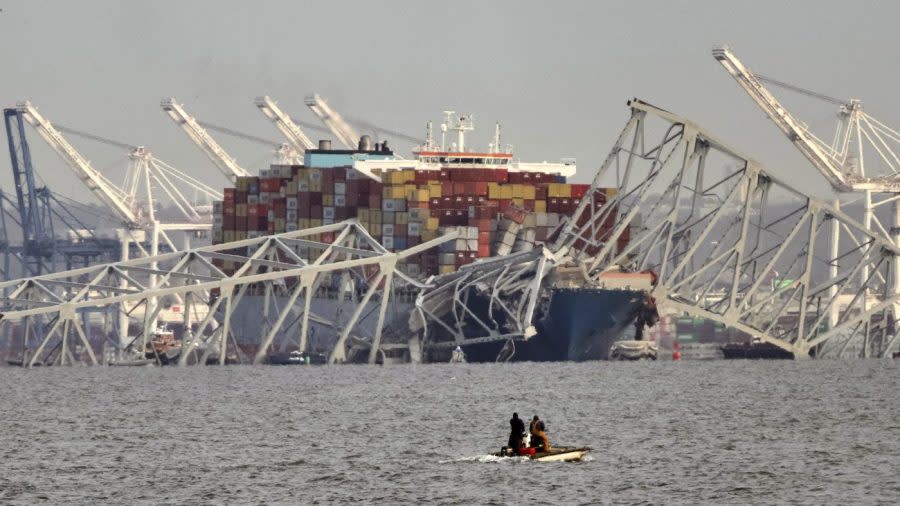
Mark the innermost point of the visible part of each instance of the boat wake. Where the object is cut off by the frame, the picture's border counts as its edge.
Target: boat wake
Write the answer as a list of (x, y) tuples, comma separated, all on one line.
[(485, 458)]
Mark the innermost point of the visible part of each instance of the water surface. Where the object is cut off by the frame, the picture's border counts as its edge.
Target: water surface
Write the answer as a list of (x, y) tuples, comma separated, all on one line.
[(690, 432)]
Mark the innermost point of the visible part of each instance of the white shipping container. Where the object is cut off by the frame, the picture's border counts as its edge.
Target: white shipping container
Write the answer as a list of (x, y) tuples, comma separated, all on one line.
[(340, 188), (327, 213), (387, 241), (387, 229), (291, 202), (414, 229), (291, 215), (340, 200), (253, 199)]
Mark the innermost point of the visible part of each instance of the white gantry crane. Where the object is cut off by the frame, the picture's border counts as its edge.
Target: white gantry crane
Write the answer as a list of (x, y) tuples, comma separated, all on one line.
[(345, 134), (226, 164), (297, 139), (843, 161), (133, 204)]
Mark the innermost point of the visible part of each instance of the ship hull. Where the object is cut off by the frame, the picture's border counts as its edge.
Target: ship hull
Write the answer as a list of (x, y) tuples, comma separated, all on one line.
[(580, 324)]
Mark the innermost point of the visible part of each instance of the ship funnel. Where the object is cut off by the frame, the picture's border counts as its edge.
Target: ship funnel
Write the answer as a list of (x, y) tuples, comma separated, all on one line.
[(365, 143), (325, 144)]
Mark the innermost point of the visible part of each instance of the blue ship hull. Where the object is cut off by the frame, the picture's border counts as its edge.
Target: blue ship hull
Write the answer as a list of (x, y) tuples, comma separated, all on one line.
[(578, 324)]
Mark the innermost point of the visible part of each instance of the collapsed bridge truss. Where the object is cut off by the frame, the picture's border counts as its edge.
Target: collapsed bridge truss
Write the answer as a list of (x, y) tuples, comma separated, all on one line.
[(290, 265), (729, 241)]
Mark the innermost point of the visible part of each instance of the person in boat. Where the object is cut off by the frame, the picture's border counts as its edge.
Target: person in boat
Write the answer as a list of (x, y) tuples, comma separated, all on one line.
[(516, 431), (539, 433)]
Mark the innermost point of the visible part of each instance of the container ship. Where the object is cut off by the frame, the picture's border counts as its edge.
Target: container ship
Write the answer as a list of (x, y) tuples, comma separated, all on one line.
[(483, 195)]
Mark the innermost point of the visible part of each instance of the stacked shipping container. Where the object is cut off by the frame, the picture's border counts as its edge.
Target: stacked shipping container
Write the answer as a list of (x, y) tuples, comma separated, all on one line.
[(494, 211)]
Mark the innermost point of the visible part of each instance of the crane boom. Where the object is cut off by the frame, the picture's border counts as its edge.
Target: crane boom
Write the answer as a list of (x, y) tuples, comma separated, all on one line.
[(105, 190), (295, 136), (226, 164), (345, 134), (832, 169)]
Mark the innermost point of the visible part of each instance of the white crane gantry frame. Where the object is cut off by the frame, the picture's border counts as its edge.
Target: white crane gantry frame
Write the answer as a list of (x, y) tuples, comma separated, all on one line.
[(103, 189), (298, 140), (843, 162), (345, 134), (225, 163), (265, 264)]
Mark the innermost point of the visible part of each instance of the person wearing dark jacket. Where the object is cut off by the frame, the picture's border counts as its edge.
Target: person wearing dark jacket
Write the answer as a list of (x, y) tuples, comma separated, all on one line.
[(516, 429)]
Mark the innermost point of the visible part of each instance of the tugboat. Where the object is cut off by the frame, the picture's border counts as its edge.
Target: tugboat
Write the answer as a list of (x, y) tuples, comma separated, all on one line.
[(163, 348)]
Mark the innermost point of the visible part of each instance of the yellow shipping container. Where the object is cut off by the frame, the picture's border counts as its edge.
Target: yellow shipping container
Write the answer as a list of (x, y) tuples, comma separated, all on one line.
[(315, 222), (427, 235), (422, 195), (240, 210), (506, 192), (494, 191), (431, 224), (363, 214), (612, 192), (540, 206), (398, 192), (434, 189), (303, 223), (518, 191), (401, 218), (518, 202), (528, 192), (228, 235), (327, 199), (447, 269)]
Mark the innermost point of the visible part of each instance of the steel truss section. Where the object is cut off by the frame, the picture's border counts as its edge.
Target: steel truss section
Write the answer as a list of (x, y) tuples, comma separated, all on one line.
[(510, 286), (271, 265), (732, 243)]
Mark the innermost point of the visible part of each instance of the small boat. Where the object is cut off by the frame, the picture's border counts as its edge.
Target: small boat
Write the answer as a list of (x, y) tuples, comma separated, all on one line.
[(163, 347), (458, 356), (555, 454), (633, 350)]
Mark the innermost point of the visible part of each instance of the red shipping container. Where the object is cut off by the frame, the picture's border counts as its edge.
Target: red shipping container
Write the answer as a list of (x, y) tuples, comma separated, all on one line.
[(240, 197), (228, 209), (444, 175), (400, 230), (484, 237), (461, 216), (328, 237), (470, 188), (484, 250), (481, 188), (228, 194), (459, 188), (375, 201), (527, 177), (253, 210), (515, 177), (340, 173), (446, 188), (540, 177), (579, 190), (500, 175), (434, 202), (503, 205), (540, 193), (315, 212), (528, 205), (447, 202), (228, 222), (341, 213), (413, 240), (375, 187)]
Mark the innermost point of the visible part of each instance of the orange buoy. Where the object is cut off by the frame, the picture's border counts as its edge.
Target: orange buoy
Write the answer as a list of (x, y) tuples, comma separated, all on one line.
[(676, 355)]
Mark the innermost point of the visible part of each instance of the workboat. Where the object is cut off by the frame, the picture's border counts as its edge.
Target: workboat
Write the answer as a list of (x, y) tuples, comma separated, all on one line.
[(633, 350), (555, 454)]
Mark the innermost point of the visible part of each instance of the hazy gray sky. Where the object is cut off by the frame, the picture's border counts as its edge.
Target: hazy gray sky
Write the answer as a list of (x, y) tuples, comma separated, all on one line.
[(557, 74)]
